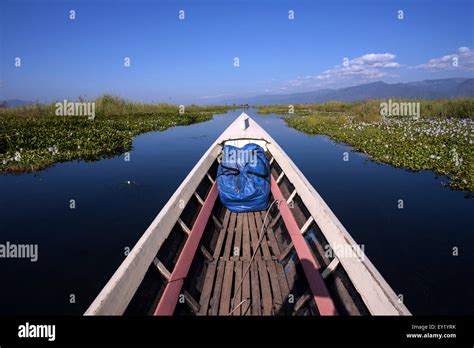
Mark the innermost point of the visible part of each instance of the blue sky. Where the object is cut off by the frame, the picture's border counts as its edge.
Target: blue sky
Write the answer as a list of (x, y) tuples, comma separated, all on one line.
[(192, 60)]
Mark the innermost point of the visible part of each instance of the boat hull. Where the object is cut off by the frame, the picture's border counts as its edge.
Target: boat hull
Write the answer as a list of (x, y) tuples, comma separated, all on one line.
[(198, 258)]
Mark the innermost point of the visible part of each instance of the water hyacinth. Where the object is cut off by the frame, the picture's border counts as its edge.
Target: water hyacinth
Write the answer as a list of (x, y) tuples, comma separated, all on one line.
[(440, 144)]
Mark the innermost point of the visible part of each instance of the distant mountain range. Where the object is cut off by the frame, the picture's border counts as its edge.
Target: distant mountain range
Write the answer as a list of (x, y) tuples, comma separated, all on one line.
[(12, 103), (427, 89)]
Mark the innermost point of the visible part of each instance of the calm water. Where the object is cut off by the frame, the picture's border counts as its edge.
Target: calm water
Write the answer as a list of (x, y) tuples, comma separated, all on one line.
[(79, 249)]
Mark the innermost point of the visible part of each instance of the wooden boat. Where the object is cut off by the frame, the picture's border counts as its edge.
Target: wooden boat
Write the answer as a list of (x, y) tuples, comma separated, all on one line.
[(198, 258)]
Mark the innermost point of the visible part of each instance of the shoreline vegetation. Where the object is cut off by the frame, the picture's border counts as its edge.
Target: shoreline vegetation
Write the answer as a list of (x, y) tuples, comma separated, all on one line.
[(34, 137), (440, 139)]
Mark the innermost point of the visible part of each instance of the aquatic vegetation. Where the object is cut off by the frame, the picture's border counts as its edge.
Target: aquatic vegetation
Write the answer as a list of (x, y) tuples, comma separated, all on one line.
[(441, 144), (33, 137)]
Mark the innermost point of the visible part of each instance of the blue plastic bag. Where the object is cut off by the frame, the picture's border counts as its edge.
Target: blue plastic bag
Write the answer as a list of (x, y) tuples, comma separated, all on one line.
[(243, 178)]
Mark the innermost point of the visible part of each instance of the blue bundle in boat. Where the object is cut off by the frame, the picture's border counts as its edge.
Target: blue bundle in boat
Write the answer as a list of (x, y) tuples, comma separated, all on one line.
[(243, 178)]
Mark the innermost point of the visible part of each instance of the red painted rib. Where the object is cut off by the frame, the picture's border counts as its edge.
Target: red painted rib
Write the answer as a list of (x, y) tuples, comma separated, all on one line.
[(315, 280), (168, 301)]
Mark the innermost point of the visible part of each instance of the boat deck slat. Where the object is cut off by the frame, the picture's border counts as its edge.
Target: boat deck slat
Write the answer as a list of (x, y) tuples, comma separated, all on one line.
[(237, 250), (217, 288), (265, 286), (254, 236), (275, 284), (246, 252), (238, 293), (272, 242), (220, 239), (224, 307), (246, 294), (265, 250), (230, 236), (207, 288), (255, 300)]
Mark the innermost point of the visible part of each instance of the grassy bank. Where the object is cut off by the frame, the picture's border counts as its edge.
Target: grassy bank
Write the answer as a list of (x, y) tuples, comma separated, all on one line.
[(33, 137), (440, 140)]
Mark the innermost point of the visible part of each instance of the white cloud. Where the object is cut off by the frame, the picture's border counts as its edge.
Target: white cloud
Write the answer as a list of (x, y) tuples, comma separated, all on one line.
[(361, 69), (371, 67), (377, 60), (465, 61)]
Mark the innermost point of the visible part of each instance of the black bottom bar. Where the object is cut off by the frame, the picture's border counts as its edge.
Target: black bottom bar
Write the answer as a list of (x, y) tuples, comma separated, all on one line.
[(237, 330)]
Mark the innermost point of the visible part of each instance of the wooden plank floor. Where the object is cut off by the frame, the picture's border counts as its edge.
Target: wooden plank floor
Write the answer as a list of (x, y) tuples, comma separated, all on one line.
[(233, 285)]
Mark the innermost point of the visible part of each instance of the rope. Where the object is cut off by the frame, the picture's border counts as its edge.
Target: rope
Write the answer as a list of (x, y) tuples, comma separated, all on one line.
[(260, 239)]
